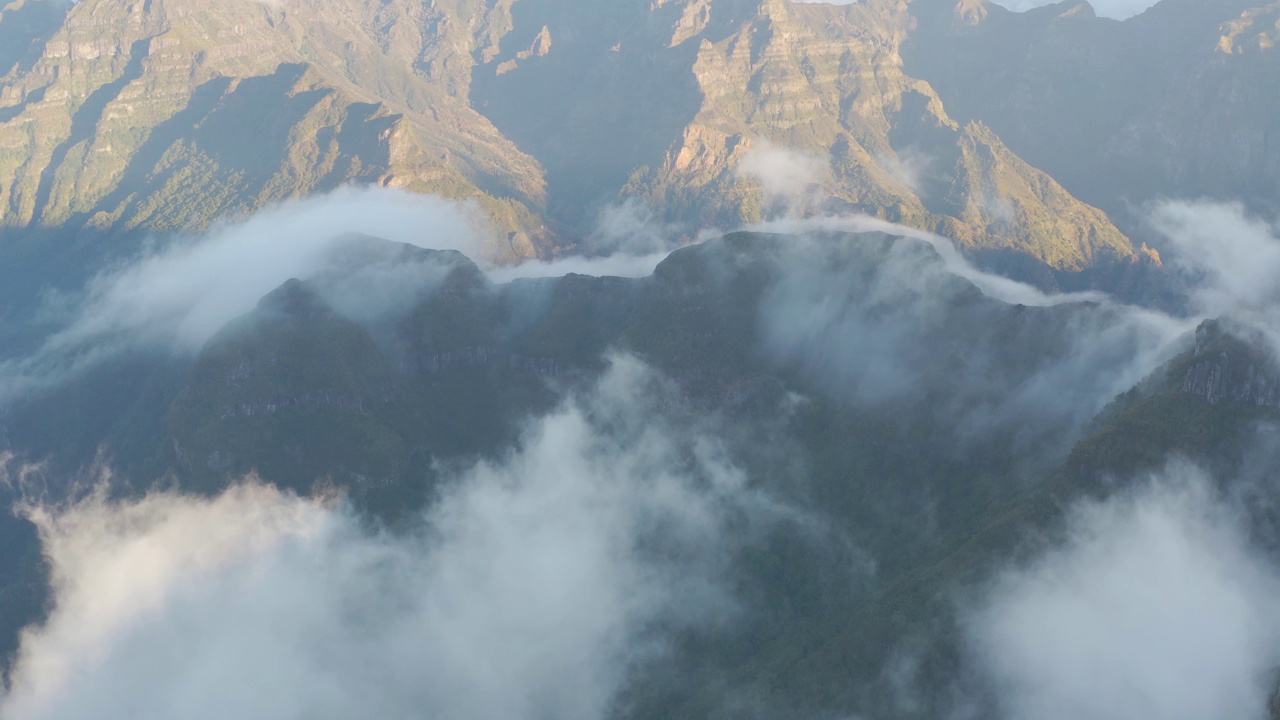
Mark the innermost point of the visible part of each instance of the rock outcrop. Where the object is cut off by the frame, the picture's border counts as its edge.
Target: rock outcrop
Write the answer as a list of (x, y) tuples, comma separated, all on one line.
[(168, 114), (720, 113), (1226, 369), (161, 116), (1174, 103)]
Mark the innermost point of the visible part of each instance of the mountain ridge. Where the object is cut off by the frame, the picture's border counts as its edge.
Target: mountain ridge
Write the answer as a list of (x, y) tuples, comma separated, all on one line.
[(1123, 114), (540, 114), (894, 415)]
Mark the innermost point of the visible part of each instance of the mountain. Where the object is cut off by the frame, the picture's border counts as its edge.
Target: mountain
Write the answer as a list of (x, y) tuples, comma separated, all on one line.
[(299, 393), (167, 115), (1010, 133), (163, 116), (1173, 103), (777, 469), (731, 79), (921, 426)]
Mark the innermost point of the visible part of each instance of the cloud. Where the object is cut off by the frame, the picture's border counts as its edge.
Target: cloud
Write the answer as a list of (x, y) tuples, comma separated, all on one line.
[(1229, 259), (790, 180), (176, 297), (191, 290), (876, 319), (1117, 9), (620, 265), (995, 286), (1155, 606), (884, 336), (912, 166), (628, 240), (531, 589)]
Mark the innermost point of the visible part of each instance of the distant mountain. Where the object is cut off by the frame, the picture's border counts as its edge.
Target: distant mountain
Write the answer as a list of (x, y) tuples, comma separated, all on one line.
[(910, 429), (163, 116), (169, 114), (1004, 131), (1178, 102), (679, 96)]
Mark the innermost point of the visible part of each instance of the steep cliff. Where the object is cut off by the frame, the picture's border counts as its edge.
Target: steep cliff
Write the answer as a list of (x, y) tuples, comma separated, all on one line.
[(813, 97), (1005, 131), (168, 114), (1176, 102), (1226, 369)]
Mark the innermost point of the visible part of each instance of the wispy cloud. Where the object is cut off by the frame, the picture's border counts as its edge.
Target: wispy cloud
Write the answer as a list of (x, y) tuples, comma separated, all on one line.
[(530, 589), (1156, 605), (880, 318), (791, 181), (1229, 259), (175, 298)]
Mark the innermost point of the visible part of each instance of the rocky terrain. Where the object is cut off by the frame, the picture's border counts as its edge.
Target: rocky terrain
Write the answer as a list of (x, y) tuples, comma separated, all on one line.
[(161, 116), (717, 450), (1174, 103), (949, 117), (166, 115)]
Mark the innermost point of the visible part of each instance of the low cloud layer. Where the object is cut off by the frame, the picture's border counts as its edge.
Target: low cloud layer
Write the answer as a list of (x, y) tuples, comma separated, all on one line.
[(188, 290), (530, 589), (897, 326), (179, 296), (1156, 606), (995, 286), (1229, 258), (790, 180)]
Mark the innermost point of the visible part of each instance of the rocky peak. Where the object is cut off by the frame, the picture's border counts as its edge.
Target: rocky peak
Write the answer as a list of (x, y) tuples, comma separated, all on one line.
[(971, 12), (163, 115), (1225, 366), (296, 301), (1256, 30)]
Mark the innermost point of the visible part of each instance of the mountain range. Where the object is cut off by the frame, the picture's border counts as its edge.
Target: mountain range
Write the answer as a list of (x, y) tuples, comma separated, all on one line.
[(617, 359), (952, 117), (918, 426)]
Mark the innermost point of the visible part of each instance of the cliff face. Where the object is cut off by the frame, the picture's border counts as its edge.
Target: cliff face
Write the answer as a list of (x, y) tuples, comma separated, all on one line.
[(1177, 102), (164, 115), (829, 81), (726, 82), (167, 114), (1207, 403), (1225, 369)]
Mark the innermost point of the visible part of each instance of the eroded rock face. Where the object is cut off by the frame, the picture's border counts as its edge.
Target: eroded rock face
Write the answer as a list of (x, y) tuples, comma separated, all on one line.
[(727, 112), (164, 115), (1227, 369), (167, 114), (1175, 103)]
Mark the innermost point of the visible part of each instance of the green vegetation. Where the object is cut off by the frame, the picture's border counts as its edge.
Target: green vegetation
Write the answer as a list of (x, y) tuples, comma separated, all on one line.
[(907, 497)]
